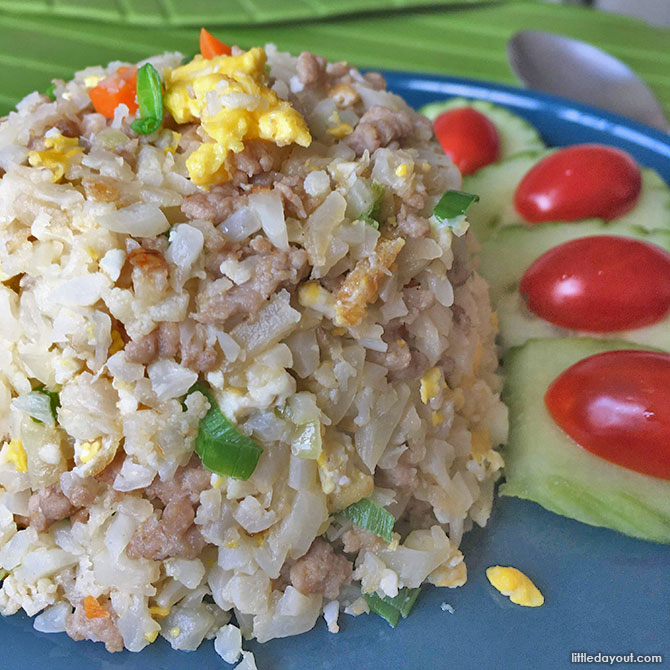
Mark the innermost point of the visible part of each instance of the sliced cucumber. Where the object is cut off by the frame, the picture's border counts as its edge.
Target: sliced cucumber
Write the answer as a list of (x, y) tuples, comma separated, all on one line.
[(506, 256), (497, 183), (516, 134), (544, 465), (517, 324), (652, 211)]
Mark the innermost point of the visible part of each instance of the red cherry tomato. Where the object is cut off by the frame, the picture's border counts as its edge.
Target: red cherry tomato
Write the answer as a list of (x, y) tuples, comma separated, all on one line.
[(468, 138), (579, 182), (599, 284), (617, 406)]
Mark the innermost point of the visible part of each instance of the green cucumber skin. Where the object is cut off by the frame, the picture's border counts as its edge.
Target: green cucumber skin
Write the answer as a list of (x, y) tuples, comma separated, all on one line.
[(543, 465), (507, 255), (517, 324), (497, 183), (516, 134)]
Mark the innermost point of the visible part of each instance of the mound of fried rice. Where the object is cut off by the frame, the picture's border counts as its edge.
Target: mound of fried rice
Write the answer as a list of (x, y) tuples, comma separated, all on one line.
[(123, 283)]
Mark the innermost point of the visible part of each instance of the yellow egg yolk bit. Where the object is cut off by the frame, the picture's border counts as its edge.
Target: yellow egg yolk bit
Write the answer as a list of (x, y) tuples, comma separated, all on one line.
[(513, 583), (230, 98), (57, 156)]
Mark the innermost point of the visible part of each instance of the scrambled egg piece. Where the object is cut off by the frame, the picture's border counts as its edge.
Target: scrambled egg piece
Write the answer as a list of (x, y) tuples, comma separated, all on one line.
[(15, 453), (448, 575), (360, 486), (57, 156), (513, 583), (159, 612), (477, 357), (230, 98), (431, 384), (88, 450), (117, 342), (481, 443), (340, 131), (361, 286), (312, 294), (437, 419)]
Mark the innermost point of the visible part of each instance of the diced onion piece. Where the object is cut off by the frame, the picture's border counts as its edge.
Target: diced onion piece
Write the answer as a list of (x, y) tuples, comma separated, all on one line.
[(302, 474), (320, 225), (139, 219), (248, 661), (52, 619), (170, 380), (185, 627), (40, 404), (133, 476), (270, 210), (186, 243), (228, 643), (80, 291), (272, 323), (422, 552), (240, 224), (308, 442)]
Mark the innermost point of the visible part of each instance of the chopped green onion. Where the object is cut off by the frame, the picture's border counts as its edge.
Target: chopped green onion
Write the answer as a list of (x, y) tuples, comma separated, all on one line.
[(51, 91), (392, 609), (382, 608), (453, 204), (404, 601), (3, 574), (53, 401), (308, 443), (371, 215), (222, 448), (372, 517), (149, 100)]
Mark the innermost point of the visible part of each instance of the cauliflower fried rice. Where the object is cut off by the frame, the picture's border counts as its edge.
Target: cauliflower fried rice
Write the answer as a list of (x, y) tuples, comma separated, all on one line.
[(262, 276)]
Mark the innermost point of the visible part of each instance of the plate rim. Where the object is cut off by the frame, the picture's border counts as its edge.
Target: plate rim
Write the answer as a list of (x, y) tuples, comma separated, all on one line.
[(518, 99)]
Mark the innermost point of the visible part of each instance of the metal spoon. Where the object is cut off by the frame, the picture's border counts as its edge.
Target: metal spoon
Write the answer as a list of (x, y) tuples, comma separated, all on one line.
[(572, 69)]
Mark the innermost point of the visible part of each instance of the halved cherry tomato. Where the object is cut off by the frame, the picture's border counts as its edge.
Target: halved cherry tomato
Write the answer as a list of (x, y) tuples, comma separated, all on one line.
[(579, 182), (210, 46), (117, 89), (617, 406), (468, 138), (599, 284)]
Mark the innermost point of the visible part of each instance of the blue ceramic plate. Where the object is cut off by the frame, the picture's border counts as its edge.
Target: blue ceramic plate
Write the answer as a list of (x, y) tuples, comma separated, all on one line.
[(605, 593)]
